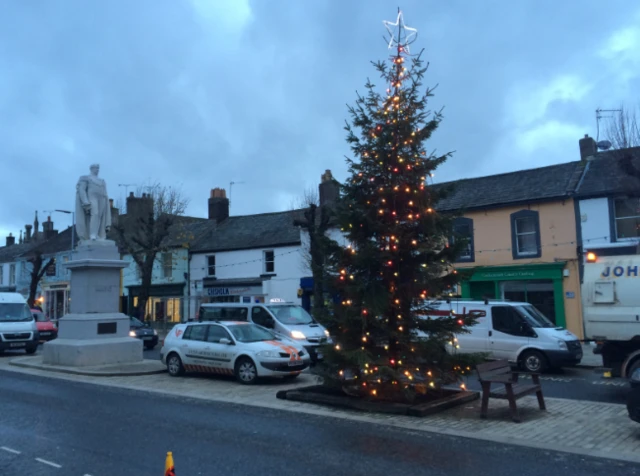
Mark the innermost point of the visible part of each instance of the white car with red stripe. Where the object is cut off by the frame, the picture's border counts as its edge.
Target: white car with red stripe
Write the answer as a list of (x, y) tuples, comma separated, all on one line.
[(243, 349)]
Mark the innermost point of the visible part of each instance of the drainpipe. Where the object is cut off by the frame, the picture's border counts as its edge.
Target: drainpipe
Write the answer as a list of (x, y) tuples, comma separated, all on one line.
[(188, 279)]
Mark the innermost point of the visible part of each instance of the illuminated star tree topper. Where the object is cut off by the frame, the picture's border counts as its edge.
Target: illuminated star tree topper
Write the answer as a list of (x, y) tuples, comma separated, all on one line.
[(400, 35)]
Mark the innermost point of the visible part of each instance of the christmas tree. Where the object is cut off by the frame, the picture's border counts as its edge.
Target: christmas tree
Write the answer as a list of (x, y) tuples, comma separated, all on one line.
[(401, 248)]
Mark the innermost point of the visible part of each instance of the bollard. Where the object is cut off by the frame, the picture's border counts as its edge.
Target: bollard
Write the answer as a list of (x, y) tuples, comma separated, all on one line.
[(169, 470)]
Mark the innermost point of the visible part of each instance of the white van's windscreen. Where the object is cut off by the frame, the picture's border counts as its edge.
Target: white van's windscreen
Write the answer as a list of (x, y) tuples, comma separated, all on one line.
[(14, 312), (292, 315)]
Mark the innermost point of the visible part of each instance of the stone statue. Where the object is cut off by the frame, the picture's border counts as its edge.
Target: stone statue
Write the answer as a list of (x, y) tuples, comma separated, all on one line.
[(93, 212)]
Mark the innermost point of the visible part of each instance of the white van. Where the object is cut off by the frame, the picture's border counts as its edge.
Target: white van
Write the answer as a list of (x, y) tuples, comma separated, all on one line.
[(17, 326), (286, 318), (515, 331)]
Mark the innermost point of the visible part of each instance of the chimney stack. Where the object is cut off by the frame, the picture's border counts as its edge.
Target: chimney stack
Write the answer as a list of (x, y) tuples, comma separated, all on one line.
[(11, 240), (27, 233), (139, 207), (588, 147), (218, 205), (47, 229), (329, 189), (115, 213)]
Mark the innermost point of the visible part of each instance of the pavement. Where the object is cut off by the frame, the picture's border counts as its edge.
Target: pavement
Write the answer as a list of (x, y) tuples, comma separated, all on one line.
[(62, 426), (572, 426), (146, 367)]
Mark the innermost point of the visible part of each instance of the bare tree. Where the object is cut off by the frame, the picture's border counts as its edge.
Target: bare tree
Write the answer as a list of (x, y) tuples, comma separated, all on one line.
[(38, 269), (144, 231), (623, 132), (316, 222)]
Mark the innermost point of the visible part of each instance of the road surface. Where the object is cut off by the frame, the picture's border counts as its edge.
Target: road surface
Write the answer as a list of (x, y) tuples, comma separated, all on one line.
[(58, 427)]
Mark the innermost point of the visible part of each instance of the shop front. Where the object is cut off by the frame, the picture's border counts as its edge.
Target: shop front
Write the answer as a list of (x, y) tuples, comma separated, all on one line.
[(542, 285), (233, 290), (56, 300), (165, 303)]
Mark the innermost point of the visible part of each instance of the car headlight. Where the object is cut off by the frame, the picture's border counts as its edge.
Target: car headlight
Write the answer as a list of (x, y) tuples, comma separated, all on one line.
[(562, 344), (326, 332), (155, 332), (297, 335), (268, 353), (132, 334)]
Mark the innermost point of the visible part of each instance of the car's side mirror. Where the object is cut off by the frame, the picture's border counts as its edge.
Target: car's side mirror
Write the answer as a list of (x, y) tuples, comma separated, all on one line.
[(225, 341)]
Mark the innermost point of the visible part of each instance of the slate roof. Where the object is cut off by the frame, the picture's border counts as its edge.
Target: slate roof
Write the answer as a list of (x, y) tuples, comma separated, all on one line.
[(544, 183), (9, 254), (59, 243), (249, 232), (605, 176)]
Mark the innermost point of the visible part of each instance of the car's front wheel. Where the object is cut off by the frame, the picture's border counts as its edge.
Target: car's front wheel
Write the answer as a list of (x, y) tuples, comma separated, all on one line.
[(174, 365), (246, 371)]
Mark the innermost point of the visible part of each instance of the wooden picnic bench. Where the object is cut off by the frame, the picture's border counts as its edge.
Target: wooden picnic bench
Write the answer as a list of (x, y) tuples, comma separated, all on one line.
[(500, 372)]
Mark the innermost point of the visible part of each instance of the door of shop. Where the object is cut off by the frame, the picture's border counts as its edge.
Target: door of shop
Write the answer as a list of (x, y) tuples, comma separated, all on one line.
[(539, 293)]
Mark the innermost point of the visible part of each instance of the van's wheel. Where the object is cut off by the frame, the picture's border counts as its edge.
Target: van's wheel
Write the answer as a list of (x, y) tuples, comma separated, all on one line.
[(633, 367), (174, 365), (246, 371), (533, 361)]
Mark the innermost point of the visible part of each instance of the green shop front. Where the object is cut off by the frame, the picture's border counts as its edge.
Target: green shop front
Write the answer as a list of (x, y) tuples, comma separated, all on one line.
[(537, 284)]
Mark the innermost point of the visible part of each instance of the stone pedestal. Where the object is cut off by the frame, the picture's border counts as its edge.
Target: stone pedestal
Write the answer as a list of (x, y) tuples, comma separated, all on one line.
[(94, 333)]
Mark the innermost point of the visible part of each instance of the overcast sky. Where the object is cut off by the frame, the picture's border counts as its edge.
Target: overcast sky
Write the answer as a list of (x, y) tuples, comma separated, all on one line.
[(199, 93)]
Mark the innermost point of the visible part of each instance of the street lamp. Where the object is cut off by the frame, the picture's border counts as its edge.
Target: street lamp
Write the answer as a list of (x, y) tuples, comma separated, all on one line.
[(73, 226)]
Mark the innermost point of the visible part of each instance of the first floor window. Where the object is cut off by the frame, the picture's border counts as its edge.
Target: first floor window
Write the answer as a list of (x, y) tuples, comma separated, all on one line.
[(12, 275), (167, 265), (269, 262), (525, 234), (463, 229), (627, 218), (211, 265)]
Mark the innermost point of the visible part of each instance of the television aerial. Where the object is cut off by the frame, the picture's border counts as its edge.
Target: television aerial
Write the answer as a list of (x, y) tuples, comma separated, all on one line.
[(603, 145)]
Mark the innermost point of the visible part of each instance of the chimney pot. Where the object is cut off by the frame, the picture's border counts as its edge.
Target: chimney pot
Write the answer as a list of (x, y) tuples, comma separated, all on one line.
[(11, 240), (27, 235)]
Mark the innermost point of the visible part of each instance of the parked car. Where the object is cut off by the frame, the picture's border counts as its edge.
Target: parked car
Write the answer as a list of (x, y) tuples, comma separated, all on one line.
[(46, 328), (17, 326), (633, 399), (140, 330), (286, 318), (239, 348)]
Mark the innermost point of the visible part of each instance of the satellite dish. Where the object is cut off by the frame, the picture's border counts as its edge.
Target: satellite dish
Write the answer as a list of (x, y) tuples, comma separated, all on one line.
[(604, 145)]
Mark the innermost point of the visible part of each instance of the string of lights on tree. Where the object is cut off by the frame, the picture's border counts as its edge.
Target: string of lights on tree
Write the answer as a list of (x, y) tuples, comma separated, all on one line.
[(399, 254)]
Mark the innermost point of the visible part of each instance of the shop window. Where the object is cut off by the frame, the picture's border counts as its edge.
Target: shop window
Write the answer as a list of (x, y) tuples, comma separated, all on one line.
[(525, 234), (167, 265), (269, 262), (211, 265), (463, 230), (626, 214)]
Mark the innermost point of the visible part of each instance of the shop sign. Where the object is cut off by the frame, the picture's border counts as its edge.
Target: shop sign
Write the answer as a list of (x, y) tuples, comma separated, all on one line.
[(507, 274), (570, 295), (227, 291)]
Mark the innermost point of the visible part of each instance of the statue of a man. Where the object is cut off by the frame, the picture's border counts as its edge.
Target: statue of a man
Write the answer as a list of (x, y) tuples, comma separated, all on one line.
[(93, 213)]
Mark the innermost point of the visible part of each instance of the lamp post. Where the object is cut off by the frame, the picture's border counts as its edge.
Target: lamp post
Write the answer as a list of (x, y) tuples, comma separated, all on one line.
[(73, 226)]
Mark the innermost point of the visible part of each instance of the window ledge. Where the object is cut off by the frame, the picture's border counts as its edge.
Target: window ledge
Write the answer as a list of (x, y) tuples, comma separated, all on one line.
[(267, 275)]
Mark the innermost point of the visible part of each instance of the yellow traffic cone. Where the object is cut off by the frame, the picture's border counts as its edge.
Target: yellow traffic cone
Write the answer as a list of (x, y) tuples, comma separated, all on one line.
[(168, 465)]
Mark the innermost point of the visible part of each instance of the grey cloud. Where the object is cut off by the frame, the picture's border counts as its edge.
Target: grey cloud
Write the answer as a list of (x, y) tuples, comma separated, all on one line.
[(153, 89)]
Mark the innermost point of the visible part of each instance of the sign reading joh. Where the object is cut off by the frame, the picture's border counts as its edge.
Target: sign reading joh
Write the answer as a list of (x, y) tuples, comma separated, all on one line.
[(619, 271)]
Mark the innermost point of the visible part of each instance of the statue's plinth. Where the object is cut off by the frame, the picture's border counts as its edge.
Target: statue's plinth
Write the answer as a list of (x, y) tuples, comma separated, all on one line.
[(94, 333)]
